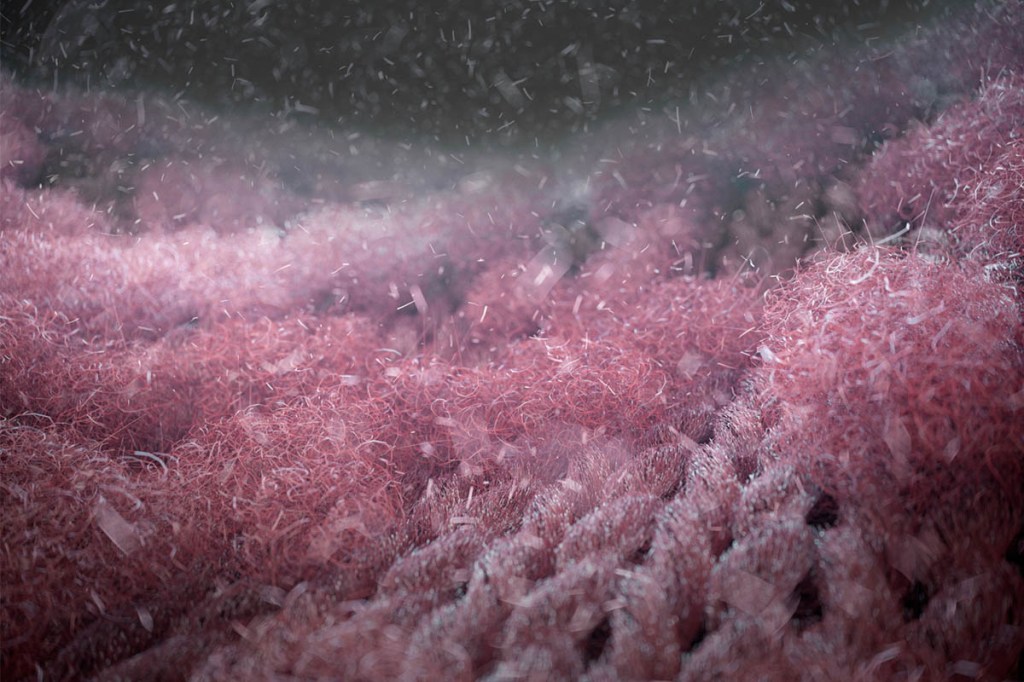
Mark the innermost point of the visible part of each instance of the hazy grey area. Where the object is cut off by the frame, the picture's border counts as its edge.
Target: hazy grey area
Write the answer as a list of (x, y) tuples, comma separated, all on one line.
[(507, 72)]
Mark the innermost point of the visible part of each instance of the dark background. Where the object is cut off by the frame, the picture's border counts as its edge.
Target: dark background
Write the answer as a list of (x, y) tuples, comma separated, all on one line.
[(514, 69)]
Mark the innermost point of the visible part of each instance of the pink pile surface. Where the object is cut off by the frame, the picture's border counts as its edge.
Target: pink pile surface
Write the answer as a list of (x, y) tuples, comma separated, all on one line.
[(759, 415)]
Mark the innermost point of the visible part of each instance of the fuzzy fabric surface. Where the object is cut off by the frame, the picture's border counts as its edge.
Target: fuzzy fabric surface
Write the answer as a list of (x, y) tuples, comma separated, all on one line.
[(732, 388)]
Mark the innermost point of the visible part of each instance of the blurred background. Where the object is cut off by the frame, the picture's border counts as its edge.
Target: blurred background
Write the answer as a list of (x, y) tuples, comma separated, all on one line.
[(520, 71)]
